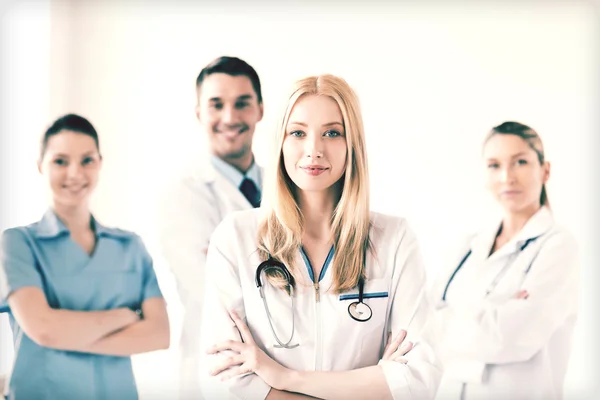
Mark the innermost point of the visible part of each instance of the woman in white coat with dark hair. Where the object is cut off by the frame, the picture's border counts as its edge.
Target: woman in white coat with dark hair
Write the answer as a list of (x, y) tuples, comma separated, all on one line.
[(303, 294), (507, 303)]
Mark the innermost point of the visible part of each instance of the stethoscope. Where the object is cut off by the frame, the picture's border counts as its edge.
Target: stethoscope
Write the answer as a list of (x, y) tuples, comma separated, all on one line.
[(498, 277), (358, 310)]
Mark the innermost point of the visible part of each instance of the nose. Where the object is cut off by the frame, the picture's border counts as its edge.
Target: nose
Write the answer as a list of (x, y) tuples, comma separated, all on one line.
[(74, 170), (230, 116), (314, 146), (507, 174)]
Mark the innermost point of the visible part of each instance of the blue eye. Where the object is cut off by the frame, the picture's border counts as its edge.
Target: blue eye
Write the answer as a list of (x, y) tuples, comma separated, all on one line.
[(332, 133), (296, 133)]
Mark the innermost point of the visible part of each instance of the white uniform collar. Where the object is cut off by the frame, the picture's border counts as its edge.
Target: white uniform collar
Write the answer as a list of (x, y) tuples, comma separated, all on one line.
[(540, 223)]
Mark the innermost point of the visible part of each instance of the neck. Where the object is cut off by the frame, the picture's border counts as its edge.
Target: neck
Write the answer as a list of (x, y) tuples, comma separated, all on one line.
[(514, 222), (242, 164), (76, 219), (317, 209)]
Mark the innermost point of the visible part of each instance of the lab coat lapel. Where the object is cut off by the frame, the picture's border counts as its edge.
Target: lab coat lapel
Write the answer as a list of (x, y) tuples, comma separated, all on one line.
[(223, 187), (540, 223)]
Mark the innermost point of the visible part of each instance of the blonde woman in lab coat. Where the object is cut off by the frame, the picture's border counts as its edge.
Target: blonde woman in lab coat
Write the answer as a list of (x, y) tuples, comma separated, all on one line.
[(317, 334), (507, 303)]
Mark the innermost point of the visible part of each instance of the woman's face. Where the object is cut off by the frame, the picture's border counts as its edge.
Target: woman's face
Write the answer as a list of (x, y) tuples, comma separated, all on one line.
[(514, 173), (314, 148), (71, 165)]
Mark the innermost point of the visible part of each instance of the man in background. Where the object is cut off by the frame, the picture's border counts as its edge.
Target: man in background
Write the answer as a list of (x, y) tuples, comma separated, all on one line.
[(229, 105)]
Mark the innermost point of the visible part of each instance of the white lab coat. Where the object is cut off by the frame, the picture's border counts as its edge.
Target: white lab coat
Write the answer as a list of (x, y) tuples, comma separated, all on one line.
[(191, 209), (499, 347), (328, 338)]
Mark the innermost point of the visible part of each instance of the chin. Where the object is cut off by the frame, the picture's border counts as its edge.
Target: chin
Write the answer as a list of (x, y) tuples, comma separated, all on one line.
[(70, 202), (233, 152), (313, 187), (514, 207)]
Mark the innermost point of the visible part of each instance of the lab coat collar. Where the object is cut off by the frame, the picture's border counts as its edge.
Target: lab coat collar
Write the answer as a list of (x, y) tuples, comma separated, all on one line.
[(208, 174), (540, 223), (50, 226), (234, 175)]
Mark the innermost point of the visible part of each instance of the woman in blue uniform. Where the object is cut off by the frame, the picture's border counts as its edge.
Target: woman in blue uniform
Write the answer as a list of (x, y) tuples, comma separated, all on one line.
[(83, 297)]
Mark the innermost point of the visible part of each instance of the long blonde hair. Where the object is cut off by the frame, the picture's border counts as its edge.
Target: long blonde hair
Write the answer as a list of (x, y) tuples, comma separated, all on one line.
[(280, 231)]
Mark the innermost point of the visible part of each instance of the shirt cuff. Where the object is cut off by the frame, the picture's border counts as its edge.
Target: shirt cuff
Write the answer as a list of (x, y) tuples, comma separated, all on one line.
[(396, 379)]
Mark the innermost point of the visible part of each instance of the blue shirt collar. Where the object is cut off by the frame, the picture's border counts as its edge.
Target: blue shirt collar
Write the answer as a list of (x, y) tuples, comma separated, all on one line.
[(233, 175), (51, 226)]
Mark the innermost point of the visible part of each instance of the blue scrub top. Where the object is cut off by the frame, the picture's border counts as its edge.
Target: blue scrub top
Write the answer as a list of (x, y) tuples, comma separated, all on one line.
[(118, 274)]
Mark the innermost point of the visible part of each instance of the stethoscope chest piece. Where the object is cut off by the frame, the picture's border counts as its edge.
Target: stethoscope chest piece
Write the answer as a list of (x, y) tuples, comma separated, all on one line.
[(360, 311)]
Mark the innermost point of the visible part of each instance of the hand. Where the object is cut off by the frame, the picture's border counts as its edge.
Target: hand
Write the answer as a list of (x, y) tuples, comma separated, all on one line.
[(249, 358), (523, 294), (130, 316), (396, 349)]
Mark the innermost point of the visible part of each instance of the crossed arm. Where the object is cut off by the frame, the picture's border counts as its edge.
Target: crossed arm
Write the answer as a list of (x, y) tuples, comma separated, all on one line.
[(235, 367), (118, 332), (290, 384)]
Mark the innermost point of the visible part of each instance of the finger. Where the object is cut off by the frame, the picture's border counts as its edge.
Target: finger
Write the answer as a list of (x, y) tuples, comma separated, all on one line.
[(522, 294), (403, 350), (226, 345), (228, 362), (243, 328), (387, 345), (393, 346), (401, 360), (233, 372)]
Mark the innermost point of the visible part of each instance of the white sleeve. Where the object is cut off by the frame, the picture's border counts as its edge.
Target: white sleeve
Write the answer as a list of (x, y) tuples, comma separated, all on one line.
[(224, 293), (516, 330), (410, 310), (186, 223)]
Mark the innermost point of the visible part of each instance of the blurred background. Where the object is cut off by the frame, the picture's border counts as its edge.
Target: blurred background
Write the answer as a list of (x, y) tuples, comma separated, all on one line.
[(432, 78)]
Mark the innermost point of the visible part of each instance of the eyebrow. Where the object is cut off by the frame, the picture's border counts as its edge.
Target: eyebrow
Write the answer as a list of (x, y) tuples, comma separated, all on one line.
[(327, 124), (522, 153), (242, 97), (519, 154), (89, 153)]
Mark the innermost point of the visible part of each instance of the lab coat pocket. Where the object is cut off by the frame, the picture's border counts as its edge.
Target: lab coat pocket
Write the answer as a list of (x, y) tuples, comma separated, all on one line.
[(369, 333)]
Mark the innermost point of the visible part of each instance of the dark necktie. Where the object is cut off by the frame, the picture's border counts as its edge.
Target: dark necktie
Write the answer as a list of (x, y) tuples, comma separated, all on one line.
[(249, 189)]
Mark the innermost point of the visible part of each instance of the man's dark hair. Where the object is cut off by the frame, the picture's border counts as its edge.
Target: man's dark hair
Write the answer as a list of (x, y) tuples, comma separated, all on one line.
[(231, 66)]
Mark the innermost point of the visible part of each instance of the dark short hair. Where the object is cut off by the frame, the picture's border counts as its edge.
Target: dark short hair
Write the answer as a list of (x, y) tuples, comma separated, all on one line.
[(231, 66), (69, 122)]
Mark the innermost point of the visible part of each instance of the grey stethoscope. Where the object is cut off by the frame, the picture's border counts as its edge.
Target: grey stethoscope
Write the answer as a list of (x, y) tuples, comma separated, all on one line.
[(500, 274), (358, 310)]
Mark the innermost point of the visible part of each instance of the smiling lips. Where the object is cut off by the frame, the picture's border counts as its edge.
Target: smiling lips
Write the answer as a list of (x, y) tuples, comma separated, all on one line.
[(510, 193), (74, 189), (314, 170)]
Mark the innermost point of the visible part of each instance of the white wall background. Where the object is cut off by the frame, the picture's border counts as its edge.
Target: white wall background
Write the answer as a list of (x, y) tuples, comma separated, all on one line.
[(432, 80)]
